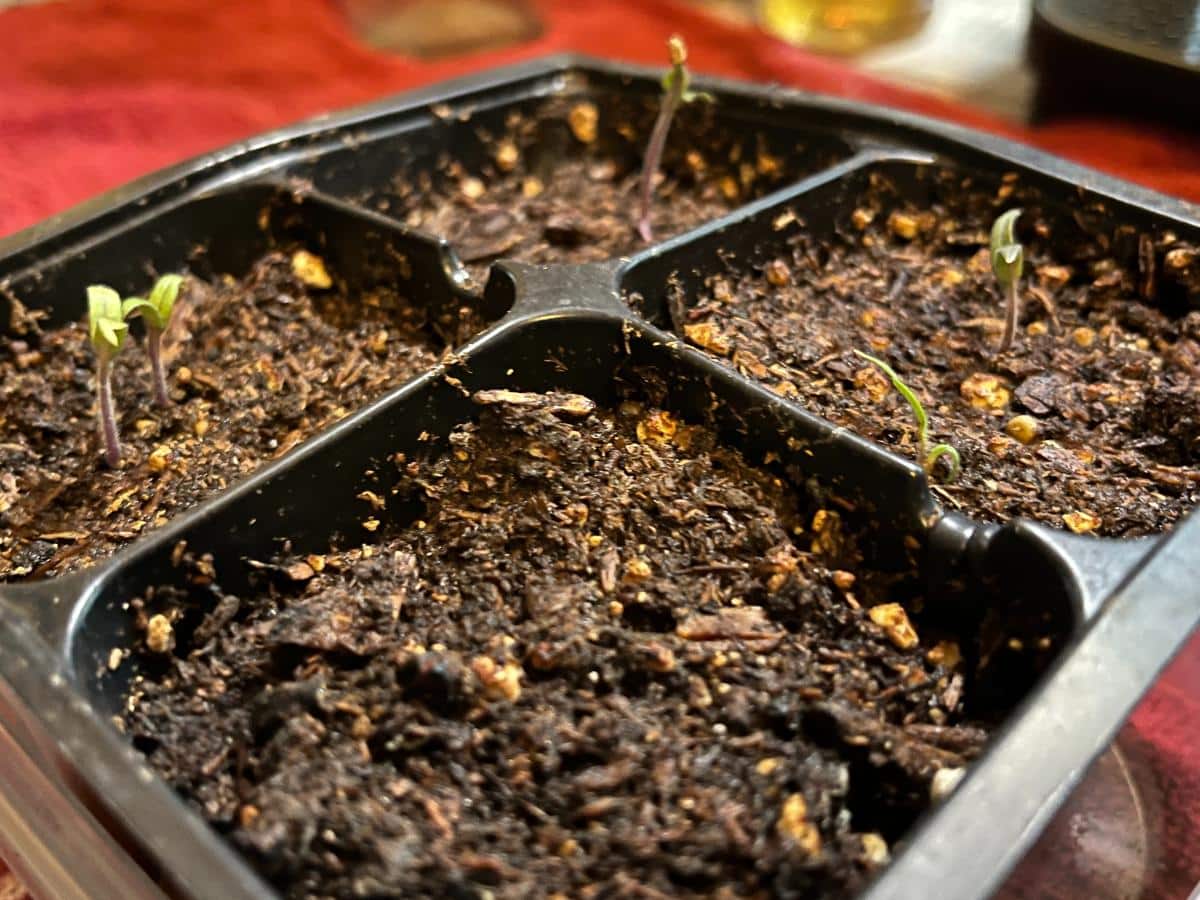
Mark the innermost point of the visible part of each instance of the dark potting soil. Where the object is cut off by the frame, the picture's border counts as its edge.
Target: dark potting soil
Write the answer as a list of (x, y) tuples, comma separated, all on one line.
[(586, 212), (563, 186), (1104, 372), (255, 366), (610, 659)]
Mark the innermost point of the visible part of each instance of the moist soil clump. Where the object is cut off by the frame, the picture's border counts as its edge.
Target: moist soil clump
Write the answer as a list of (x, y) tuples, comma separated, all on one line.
[(1091, 421), (609, 659), (255, 366)]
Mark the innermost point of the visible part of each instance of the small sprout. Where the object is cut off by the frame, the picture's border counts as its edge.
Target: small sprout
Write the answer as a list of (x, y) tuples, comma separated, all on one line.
[(874, 850), (156, 313), (927, 455), (310, 268), (675, 92), (107, 331), (1008, 258)]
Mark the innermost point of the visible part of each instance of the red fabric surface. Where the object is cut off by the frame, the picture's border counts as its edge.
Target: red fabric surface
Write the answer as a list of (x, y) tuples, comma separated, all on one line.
[(96, 92)]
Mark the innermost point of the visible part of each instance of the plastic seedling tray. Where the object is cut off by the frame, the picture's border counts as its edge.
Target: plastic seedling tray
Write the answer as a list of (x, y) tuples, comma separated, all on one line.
[(81, 814)]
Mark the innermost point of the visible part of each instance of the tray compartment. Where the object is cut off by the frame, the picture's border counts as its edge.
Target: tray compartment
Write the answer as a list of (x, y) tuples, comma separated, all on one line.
[(890, 257), (310, 502), (220, 240)]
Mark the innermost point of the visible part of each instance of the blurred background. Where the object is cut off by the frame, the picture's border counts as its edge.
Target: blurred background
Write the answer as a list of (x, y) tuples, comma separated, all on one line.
[(104, 90), (967, 49), (1020, 59)]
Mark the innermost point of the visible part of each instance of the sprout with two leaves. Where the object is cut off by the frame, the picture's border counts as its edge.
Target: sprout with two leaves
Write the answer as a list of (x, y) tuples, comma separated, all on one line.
[(107, 331), (156, 313), (927, 455), (1008, 258), (675, 93), (108, 326)]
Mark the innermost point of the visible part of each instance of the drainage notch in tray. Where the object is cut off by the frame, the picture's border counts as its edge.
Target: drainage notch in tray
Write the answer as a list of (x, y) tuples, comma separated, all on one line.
[(565, 331)]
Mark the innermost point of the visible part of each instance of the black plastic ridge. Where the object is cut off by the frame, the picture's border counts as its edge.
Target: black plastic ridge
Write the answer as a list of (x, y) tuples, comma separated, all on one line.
[(981, 832), (680, 254), (117, 827)]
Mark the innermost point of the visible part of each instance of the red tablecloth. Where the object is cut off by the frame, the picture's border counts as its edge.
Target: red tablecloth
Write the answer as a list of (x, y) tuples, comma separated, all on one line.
[(96, 92)]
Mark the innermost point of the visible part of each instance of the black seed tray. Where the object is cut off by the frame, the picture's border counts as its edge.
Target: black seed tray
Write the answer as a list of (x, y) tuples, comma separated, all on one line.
[(82, 815)]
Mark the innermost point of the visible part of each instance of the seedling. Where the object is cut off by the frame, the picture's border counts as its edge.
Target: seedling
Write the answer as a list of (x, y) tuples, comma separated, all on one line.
[(107, 331), (156, 313), (675, 92), (1008, 258), (927, 455)]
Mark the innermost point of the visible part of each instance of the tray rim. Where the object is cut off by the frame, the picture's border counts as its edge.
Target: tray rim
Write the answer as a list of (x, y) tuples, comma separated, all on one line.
[(259, 147)]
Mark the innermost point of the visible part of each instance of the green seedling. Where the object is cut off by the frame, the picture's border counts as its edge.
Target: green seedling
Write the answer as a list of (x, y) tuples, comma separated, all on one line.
[(107, 331), (675, 93), (156, 313), (1008, 258), (927, 455)]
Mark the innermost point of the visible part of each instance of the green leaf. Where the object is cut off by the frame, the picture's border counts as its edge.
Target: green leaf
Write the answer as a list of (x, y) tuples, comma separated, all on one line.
[(930, 455), (164, 294), (112, 332), (676, 81), (132, 307), (106, 324), (103, 302), (155, 311), (1008, 256), (1003, 229), (938, 451), (907, 393)]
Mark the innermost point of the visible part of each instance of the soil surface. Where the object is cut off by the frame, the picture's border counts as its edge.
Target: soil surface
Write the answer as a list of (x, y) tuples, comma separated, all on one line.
[(571, 194), (1104, 373), (255, 366), (610, 660), (585, 212)]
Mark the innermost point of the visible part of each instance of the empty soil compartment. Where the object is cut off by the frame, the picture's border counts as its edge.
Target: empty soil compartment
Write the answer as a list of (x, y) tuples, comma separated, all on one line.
[(582, 651)]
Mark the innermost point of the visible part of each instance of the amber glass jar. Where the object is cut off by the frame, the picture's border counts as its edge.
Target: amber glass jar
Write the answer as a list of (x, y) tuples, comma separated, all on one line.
[(842, 26)]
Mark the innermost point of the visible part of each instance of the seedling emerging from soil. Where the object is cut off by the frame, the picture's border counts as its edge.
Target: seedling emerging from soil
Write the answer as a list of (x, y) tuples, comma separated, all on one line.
[(107, 331), (156, 313), (1008, 258), (675, 92), (928, 455)]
